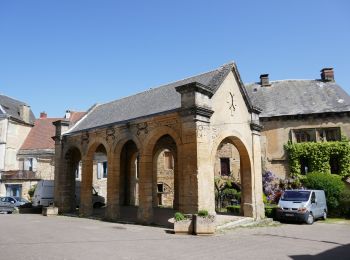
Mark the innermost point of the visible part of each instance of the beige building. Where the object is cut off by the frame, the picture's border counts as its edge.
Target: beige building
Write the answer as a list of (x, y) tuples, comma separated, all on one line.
[(158, 150), (299, 111), (16, 121)]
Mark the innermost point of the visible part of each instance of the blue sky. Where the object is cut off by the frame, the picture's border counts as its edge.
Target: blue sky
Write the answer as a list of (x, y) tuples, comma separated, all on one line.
[(69, 54)]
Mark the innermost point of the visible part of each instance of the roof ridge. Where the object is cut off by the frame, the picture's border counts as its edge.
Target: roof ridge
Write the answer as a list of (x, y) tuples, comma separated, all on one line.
[(14, 99), (168, 83)]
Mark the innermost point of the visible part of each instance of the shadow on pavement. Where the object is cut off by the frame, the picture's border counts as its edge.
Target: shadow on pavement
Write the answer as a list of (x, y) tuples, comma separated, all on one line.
[(339, 253)]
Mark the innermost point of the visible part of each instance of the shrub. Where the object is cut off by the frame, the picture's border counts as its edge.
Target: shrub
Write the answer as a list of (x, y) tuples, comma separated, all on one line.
[(344, 203), (234, 209), (179, 216), (203, 213), (270, 211), (331, 184), (31, 191)]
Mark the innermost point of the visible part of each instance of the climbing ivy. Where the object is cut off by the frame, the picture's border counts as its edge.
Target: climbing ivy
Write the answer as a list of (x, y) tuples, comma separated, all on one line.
[(318, 156)]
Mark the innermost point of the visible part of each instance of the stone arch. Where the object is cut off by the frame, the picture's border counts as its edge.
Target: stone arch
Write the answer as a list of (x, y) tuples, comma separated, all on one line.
[(163, 175), (246, 169), (147, 186), (156, 134), (66, 184), (94, 180)]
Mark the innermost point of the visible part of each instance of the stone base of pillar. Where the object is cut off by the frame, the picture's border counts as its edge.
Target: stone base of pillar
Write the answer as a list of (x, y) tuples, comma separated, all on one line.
[(112, 212), (254, 211)]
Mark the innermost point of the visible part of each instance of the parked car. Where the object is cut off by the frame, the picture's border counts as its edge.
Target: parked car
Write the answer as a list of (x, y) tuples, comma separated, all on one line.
[(302, 205), (7, 204)]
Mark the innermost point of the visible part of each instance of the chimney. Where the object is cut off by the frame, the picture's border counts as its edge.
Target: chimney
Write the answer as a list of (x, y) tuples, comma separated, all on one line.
[(68, 114), (24, 112), (327, 74), (43, 115), (264, 80)]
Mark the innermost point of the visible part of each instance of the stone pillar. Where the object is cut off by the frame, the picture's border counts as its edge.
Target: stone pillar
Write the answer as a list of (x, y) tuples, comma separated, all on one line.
[(113, 198), (60, 163), (85, 208), (145, 210), (196, 175), (258, 209)]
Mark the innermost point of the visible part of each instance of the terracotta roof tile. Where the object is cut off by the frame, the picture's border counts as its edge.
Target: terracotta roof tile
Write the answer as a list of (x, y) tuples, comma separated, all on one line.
[(40, 135)]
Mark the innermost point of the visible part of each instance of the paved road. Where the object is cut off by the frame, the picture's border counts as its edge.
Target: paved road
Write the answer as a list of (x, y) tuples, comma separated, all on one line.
[(37, 237)]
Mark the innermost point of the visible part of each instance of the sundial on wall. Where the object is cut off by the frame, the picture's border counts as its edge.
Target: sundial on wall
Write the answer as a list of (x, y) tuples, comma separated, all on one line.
[(231, 103)]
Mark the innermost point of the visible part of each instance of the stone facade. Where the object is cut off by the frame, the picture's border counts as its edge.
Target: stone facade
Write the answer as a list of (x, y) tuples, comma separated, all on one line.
[(278, 131), (135, 152)]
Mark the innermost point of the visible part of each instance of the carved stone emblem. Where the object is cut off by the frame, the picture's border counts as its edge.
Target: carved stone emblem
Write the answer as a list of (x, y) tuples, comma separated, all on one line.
[(232, 104), (85, 138), (142, 127), (110, 134)]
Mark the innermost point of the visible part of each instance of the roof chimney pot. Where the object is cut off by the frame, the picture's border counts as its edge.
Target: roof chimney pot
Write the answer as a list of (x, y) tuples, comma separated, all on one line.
[(327, 74), (264, 80), (43, 114)]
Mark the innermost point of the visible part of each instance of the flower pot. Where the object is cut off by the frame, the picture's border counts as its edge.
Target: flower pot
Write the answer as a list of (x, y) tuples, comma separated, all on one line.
[(204, 226), (183, 226)]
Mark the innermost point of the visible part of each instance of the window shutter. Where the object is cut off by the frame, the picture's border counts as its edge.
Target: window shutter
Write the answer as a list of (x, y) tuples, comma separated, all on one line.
[(99, 170), (34, 166), (26, 164)]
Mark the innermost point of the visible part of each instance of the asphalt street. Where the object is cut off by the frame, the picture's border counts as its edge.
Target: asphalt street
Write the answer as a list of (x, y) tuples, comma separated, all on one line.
[(37, 237)]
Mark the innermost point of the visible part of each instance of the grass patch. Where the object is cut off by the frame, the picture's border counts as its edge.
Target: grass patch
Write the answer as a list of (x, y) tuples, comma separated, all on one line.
[(336, 221)]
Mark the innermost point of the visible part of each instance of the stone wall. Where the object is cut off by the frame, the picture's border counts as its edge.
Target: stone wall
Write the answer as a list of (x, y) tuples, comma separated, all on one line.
[(277, 132)]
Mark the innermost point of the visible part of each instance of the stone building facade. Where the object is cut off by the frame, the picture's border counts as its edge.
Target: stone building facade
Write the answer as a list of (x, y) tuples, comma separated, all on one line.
[(298, 111), (161, 147), (16, 121)]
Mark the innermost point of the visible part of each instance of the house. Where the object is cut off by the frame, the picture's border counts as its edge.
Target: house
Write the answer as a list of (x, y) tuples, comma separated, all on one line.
[(158, 150), (299, 111), (37, 154), (16, 121)]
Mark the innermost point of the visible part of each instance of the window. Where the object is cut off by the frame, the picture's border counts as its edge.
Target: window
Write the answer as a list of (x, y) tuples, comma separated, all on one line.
[(29, 164), (304, 165), (104, 165), (168, 161), (225, 166), (102, 170), (304, 135), (316, 135), (137, 169), (332, 134), (160, 187), (334, 164)]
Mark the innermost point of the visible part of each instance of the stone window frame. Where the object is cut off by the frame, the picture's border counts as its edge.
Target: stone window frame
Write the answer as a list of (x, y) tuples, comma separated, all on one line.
[(319, 134)]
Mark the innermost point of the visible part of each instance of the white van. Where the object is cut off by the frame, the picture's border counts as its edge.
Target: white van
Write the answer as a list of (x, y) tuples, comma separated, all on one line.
[(302, 205), (44, 195)]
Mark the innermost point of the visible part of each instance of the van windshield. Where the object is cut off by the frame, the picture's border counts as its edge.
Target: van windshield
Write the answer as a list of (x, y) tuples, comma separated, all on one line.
[(290, 195)]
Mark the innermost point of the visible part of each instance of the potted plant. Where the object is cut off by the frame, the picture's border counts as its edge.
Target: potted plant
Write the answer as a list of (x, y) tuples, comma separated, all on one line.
[(183, 223), (204, 223)]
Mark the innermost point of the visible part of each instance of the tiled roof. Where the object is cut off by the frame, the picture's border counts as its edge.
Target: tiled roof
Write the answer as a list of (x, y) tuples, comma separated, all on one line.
[(40, 135), (11, 107), (150, 102), (295, 97)]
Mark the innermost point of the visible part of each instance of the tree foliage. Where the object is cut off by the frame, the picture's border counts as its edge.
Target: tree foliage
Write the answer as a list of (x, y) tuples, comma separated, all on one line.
[(319, 156)]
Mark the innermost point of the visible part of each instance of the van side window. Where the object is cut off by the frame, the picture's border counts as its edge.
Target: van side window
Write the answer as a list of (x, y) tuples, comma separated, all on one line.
[(313, 197)]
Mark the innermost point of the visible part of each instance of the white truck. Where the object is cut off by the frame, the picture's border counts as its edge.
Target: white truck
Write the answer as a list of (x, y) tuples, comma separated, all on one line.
[(44, 195)]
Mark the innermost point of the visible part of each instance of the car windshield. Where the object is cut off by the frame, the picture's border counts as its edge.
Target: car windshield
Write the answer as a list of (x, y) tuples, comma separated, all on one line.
[(290, 195)]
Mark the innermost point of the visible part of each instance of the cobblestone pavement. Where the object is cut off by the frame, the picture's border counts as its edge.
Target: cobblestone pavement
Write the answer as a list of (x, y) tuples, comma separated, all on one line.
[(37, 237)]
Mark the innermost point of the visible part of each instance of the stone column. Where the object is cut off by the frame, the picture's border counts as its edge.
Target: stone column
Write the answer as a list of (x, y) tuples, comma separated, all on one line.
[(113, 199), (145, 210), (85, 208), (258, 209), (60, 163), (195, 113)]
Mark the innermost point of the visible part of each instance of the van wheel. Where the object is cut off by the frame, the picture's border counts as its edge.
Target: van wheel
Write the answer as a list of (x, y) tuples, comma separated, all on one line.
[(324, 217), (310, 219)]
